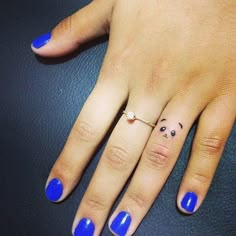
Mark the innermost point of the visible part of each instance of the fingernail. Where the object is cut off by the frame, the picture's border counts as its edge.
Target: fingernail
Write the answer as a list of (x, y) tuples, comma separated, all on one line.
[(121, 223), (41, 40), (54, 190), (84, 228), (189, 201)]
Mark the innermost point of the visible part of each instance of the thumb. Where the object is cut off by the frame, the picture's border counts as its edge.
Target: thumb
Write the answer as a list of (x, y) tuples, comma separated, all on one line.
[(89, 22)]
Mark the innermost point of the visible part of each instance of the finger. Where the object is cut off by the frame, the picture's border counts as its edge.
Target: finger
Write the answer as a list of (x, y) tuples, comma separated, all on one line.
[(212, 133), (120, 157), (156, 164), (89, 129), (89, 22)]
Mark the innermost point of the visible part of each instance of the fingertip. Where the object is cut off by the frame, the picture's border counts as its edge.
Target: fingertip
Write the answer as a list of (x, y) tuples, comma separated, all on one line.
[(54, 190), (40, 44), (41, 40), (120, 224), (47, 45), (84, 227), (188, 203)]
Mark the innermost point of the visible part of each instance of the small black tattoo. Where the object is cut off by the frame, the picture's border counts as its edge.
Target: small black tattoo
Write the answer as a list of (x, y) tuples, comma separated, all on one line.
[(167, 132)]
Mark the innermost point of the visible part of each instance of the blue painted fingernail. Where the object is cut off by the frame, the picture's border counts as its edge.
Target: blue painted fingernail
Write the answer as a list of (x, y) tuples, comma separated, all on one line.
[(189, 201), (54, 190), (41, 40), (84, 228), (121, 223)]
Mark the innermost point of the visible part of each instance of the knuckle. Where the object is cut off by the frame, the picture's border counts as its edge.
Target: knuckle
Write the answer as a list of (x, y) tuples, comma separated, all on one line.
[(95, 203), (65, 26), (117, 158), (211, 145), (138, 198), (83, 131), (201, 177), (62, 170), (116, 65), (118, 60), (157, 156)]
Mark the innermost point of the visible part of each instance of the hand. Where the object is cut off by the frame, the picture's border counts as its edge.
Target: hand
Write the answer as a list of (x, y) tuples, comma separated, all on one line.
[(170, 62)]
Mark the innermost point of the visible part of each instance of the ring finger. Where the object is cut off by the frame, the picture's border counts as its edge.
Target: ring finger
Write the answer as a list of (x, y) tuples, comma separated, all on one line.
[(157, 161)]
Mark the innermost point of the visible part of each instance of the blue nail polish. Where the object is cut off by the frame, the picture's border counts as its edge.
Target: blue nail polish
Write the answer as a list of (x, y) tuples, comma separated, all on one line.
[(54, 190), (189, 201), (84, 228), (41, 41), (121, 223)]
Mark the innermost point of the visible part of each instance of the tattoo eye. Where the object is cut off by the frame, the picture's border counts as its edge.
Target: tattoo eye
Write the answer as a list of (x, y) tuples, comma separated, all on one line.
[(162, 129), (173, 133)]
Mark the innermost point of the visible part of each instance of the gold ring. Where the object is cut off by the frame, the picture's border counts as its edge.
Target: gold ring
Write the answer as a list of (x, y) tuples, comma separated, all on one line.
[(132, 117)]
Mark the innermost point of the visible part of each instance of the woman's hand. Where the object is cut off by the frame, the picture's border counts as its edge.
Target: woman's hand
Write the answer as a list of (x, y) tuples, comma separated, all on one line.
[(170, 62)]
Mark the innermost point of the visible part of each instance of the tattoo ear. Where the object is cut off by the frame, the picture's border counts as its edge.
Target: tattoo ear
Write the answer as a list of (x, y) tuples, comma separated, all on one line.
[(181, 126)]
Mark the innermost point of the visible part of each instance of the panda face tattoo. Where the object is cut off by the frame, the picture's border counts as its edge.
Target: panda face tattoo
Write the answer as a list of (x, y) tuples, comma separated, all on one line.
[(167, 131)]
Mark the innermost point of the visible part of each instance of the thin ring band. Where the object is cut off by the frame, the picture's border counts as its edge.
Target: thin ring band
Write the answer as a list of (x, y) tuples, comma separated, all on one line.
[(132, 117)]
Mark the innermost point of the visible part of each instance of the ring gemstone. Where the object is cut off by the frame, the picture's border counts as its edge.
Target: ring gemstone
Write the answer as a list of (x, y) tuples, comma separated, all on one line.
[(130, 116)]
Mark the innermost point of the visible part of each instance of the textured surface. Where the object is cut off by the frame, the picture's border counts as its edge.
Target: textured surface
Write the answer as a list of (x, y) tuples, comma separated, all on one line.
[(39, 101)]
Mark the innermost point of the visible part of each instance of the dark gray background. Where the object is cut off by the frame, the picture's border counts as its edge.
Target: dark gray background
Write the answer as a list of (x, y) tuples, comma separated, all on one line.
[(39, 101)]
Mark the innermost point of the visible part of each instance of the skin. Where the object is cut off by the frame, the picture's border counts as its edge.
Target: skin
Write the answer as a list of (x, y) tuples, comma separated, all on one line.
[(172, 60)]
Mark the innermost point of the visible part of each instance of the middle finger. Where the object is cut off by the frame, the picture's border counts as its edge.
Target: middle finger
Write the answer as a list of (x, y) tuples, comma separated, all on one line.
[(120, 157)]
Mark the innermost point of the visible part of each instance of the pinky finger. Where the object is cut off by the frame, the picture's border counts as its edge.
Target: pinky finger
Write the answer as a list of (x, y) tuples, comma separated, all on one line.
[(212, 133)]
